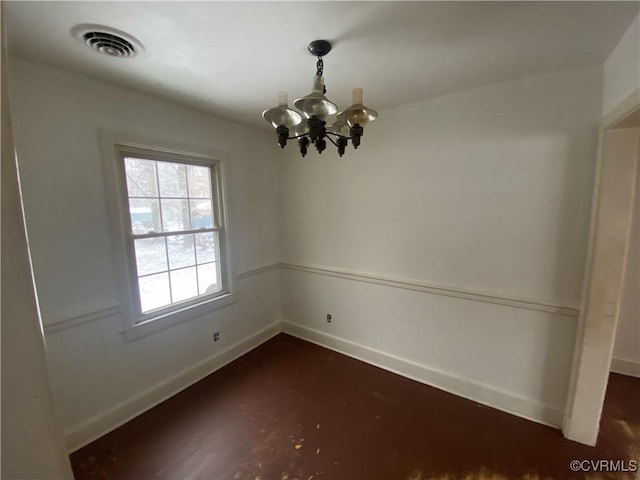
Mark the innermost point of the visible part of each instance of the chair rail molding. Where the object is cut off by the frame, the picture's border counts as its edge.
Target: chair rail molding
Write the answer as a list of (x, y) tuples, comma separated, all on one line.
[(115, 310), (446, 291), (423, 287), (87, 317), (258, 270)]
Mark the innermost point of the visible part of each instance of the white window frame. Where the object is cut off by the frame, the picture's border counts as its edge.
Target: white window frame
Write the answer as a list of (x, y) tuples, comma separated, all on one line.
[(115, 148)]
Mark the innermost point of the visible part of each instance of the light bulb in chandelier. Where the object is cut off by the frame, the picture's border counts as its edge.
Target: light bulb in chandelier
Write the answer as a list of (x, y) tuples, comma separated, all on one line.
[(358, 113), (282, 114), (316, 103)]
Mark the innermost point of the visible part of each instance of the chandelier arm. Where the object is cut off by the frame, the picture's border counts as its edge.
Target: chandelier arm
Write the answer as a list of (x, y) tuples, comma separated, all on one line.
[(298, 136), (331, 140), (338, 135)]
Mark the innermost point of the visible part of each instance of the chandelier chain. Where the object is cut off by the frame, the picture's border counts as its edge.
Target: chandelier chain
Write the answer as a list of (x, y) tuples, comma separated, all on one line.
[(319, 67), (320, 71)]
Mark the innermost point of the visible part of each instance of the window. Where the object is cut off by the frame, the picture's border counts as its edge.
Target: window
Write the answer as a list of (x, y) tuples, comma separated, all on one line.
[(174, 231), (171, 217)]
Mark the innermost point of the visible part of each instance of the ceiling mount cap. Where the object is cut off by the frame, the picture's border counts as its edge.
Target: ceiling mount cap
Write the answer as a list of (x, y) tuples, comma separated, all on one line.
[(319, 48)]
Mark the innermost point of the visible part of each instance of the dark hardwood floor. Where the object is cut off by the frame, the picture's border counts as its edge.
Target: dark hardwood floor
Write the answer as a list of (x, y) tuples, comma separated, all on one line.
[(292, 410)]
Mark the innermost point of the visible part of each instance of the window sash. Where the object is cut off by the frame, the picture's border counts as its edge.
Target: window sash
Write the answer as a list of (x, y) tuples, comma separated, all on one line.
[(138, 236), (167, 268)]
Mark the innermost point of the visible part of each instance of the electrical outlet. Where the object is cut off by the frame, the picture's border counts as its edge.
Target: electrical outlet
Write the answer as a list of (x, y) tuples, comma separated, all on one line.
[(216, 336), (328, 318)]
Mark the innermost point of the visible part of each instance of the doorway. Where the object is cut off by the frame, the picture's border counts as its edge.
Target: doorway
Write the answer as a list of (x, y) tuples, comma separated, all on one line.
[(609, 241)]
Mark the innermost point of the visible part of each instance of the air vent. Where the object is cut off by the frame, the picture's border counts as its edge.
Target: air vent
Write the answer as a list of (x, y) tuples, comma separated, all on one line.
[(109, 44), (107, 41)]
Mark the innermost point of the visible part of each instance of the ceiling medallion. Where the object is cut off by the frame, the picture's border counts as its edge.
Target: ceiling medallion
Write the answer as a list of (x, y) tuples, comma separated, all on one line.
[(315, 108)]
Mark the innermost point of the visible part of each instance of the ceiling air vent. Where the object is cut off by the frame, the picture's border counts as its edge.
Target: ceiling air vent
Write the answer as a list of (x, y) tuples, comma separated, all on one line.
[(107, 41)]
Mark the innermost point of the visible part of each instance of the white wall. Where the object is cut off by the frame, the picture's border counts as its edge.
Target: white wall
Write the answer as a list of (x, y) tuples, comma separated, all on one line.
[(486, 192), (99, 380), (32, 443), (622, 69), (626, 352)]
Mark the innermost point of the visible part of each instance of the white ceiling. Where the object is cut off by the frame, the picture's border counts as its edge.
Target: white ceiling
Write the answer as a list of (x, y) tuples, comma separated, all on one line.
[(232, 58)]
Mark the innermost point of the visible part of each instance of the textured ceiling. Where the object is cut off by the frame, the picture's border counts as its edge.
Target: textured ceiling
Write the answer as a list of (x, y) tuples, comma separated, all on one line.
[(231, 58)]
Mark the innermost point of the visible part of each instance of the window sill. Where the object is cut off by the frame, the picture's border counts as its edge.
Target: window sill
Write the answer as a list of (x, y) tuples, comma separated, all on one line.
[(180, 316)]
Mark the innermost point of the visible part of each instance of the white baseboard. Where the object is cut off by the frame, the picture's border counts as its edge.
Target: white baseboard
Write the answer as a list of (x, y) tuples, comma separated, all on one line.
[(625, 367), (105, 422), (480, 393)]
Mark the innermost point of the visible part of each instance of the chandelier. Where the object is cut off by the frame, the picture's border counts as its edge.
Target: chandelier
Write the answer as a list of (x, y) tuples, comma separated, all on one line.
[(315, 108)]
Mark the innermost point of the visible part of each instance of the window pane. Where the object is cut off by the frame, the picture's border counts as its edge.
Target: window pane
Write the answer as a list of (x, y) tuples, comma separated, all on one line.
[(181, 251), (151, 256), (201, 216), (205, 247), (154, 291), (208, 278), (141, 177), (173, 179), (199, 181), (145, 215), (184, 284), (175, 215)]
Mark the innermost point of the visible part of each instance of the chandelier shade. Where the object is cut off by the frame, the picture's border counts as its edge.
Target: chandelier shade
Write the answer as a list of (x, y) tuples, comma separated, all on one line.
[(282, 114), (358, 113), (299, 130), (316, 103), (339, 127), (312, 130)]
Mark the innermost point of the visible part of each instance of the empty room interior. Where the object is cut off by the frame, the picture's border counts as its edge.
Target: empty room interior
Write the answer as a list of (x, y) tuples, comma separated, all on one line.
[(320, 240)]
